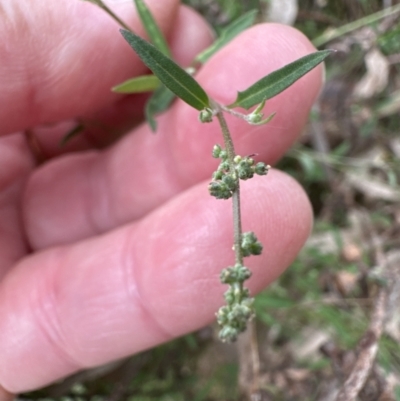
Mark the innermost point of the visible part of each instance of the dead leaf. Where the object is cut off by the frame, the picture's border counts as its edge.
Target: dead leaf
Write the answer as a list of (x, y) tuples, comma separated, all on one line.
[(306, 347), (346, 281), (376, 78), (297, 374), (282, 11), (351, 252), (391, 105), (373, 188)]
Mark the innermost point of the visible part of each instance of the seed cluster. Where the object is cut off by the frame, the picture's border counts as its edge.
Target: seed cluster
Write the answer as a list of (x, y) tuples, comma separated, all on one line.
[(224, 181), (233, 317)]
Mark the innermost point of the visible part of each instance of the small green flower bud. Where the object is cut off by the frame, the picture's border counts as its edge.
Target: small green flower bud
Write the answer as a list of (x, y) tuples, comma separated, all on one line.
[(250, 161), (229, 296), (237, 322), (228, 334), (261, 168), (217, 175), (222, 315), (206, 116), (242, 273), (244, 171), (219, 190), (255, 118), (229, 182), (235, 274), (250, 244), (224, 166), (223, 155), (237, 159), (240, 314), (228, 276), (216, 151)]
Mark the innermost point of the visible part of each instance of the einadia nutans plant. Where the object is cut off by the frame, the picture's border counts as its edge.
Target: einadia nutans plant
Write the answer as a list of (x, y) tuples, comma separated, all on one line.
[(168, 81)]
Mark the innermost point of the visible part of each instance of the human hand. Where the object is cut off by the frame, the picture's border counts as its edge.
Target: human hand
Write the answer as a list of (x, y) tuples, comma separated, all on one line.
[(107, 253)]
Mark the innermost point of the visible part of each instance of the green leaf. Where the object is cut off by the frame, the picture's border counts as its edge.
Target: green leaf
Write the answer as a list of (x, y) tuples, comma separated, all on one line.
[(279, 80), (151, 27), (227, 34), (158, 102), (144, 83), (170, 74)]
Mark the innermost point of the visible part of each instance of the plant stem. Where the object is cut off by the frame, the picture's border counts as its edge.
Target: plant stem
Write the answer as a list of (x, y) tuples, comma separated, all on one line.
[(233, 112), (237, 221), (104, 7)]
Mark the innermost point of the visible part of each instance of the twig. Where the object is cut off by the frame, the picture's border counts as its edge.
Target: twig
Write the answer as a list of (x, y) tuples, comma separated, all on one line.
[(249, 362), (369, 347), (255, 355)]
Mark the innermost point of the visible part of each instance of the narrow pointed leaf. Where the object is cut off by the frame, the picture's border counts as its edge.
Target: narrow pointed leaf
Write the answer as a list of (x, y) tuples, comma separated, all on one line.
[(158, 102), (144, 83), (151, 27), (227, 34), (279, 80), (169, 73)]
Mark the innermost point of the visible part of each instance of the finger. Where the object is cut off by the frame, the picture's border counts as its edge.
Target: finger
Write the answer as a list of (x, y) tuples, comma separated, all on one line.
[(82, 195), (69, 64), (82, 305), (108, 124), (6, 396), (16, 164)]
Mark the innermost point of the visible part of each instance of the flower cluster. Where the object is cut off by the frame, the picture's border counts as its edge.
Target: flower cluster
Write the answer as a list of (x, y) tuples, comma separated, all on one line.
[(224, 181), (233, 317), (250, 244)]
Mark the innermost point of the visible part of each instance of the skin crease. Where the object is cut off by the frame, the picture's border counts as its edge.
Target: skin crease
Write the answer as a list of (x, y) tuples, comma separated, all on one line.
[(104, 253)]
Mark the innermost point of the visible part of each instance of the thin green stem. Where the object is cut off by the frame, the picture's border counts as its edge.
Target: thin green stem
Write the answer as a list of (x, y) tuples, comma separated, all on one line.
[(233, 112), (237, 221), (110, 13)]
